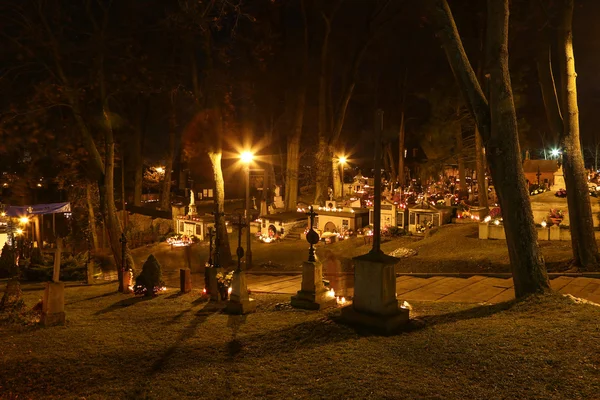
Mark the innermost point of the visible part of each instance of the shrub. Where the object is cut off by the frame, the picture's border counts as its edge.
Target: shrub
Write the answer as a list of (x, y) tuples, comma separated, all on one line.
[(7, 262), (149, 282), (396, 231)]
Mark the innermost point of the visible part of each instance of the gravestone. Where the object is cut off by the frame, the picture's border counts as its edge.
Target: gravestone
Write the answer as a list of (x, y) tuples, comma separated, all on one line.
[(264, 210), (313, 295), (53, 302), (278, 199), (559, 180), (185, 280), (239, 301), (12, 295), (374, 303)]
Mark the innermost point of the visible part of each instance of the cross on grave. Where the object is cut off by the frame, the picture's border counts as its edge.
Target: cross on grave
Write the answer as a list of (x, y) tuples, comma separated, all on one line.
[(240, 251), (254, 202), (312, 237)]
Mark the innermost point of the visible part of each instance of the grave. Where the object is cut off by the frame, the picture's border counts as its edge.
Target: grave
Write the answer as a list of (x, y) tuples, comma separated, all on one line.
[(194, 225), (334, 219), (313, 295), (277, 226), (239, 301), (53, 302), (391, 215), (424, 216), (374, 303), (278, 198)]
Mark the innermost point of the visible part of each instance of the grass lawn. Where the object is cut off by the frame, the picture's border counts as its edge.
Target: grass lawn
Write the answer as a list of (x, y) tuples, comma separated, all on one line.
[(119, 347), (451, 248)]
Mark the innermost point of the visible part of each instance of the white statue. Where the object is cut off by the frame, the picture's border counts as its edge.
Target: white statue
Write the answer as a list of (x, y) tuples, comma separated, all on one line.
[(192, 198), (277, 190)]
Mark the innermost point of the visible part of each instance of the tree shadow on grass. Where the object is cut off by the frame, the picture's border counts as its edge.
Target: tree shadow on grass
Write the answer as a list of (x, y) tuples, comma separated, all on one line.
[(201, 316), (124, 303), (425, 321), (481, 311), (92, 298)]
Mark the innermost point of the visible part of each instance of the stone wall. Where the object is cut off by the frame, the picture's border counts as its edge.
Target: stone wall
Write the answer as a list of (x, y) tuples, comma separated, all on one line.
[(542, 203), (491, 231)]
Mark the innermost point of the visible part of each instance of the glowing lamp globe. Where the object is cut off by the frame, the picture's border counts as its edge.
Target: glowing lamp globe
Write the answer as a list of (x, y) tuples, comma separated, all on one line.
[(23, 220), (343, 160), (246, 157)]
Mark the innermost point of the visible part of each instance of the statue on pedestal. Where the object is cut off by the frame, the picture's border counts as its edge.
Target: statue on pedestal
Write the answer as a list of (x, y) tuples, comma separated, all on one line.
[(192, 206)]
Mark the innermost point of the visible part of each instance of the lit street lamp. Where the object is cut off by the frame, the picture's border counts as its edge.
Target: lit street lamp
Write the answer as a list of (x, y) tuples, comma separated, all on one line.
[(246, 157), (342, 160)]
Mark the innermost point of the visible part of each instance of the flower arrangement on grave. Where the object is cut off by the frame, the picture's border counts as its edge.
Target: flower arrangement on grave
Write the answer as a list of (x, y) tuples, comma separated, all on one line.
[(556, 216), (180, 240), (537, 189), (463, 210), (224, 283), (422, 228), (494, 216), (149, 282), (561, 193)]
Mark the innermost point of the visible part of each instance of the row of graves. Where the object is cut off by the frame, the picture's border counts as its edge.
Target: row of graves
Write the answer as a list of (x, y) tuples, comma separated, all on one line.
[(340, 220), (550, 213)]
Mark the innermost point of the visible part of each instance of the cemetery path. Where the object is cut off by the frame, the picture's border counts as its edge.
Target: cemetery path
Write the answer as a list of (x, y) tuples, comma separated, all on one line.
[(475, 289)]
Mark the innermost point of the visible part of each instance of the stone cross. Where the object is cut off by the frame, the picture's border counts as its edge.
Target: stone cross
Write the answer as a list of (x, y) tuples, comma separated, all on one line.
[(240, 251), (377, 197), (254, 202), (312, 237)]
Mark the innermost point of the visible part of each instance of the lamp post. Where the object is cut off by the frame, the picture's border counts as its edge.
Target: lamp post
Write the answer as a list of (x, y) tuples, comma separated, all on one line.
[(342, 161), (247, 158)]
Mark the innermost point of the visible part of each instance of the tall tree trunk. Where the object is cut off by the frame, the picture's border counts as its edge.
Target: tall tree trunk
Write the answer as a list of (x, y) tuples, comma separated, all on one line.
[(224, 251), (402, 135), (578, 200), (480, 168), (138, 167), (89, 192), (123, 198), (335, 173), (392, 165), (138, 150), (165, 195), (460, 157), (107, 201), (497, 125), (527, 262), (323, 156), (293, 144), (291, 172)]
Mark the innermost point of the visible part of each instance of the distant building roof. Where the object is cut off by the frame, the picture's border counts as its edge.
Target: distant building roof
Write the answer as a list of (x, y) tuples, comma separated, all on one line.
[(540, 165)]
